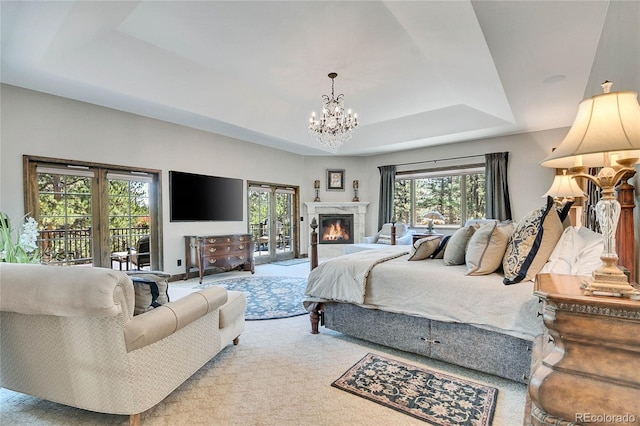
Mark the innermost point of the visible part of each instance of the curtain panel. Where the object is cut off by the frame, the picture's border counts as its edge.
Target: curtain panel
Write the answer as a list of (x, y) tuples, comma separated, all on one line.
[(497, 188), (387, 186)]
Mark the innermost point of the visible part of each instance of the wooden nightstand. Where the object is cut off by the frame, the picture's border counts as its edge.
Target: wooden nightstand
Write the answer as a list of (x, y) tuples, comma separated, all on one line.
[(591, 371)]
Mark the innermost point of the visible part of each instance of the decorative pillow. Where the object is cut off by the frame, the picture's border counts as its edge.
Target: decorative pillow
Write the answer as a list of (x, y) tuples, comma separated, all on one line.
[(487, 246), (151, 290), (531, 244), (424, 247), (457, 246), (384, 239), (439, 253)]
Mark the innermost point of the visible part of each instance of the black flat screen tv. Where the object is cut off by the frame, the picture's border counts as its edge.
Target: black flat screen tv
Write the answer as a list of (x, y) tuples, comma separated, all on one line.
[(205, 198)]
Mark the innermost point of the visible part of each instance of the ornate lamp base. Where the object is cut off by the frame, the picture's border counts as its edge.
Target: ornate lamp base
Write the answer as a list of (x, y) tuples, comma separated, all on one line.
[(610, 284)]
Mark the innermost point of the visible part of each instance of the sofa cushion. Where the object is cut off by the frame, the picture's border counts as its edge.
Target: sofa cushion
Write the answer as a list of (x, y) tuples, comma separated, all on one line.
[(424, 247), (234, 308), (487, 246), (531, 243), (454, 253)]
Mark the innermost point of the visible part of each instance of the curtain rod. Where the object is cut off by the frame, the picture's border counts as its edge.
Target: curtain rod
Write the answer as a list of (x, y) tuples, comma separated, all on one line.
[(441, 159)]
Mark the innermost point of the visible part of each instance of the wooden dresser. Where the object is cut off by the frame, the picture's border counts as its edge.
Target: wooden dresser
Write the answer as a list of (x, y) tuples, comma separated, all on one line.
[(224, 252), (587, 370)]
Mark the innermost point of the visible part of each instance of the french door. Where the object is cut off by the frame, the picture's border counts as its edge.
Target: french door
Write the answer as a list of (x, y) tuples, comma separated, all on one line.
[(273, 210), (94, 214)]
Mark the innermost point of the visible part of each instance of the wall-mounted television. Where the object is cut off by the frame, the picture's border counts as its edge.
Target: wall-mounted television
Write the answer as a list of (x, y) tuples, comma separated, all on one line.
[(196, 197)]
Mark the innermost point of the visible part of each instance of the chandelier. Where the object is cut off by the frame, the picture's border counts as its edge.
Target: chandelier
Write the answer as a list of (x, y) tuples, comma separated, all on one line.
[(334, 127)]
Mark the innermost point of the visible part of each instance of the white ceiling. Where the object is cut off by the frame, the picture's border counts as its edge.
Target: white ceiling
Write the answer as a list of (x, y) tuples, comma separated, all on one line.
[(418, 73)]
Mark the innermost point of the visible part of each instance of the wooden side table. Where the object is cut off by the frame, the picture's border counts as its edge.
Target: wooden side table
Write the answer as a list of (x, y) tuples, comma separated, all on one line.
[(591, 373)]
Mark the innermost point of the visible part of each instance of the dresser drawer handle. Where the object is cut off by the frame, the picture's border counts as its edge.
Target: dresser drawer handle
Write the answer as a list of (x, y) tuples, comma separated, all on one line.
[(241, 238), (424, 339), (212, 249), (213, 260), (241, 257), (538, 314), (228, 240), (241, 246), (212, 240)]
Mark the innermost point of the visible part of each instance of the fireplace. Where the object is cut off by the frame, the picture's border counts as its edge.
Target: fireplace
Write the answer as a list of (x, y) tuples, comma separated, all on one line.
[(335, 229)]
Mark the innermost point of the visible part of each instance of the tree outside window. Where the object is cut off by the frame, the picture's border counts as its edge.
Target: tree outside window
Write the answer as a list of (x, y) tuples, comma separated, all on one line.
[(454, 195)]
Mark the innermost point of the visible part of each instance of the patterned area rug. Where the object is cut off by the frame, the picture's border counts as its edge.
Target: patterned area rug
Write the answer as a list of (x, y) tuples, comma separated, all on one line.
[(436, 398), (267, 297)]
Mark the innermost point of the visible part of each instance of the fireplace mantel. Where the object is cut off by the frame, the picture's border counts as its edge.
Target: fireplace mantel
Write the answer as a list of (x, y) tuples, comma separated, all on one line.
[(357, 208)]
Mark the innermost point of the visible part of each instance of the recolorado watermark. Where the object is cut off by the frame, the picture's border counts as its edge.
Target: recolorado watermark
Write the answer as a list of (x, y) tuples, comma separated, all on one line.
[(606, 418)]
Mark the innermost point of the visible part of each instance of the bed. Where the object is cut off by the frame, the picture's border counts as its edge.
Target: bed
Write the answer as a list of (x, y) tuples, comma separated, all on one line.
[(428, 308)]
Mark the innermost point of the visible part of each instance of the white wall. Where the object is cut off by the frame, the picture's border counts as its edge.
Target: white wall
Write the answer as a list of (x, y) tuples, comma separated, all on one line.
[(37, 124), (527, 179), (43, 125)]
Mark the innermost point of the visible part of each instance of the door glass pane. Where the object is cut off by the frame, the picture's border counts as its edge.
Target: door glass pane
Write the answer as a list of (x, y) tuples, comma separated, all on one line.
[(259, 224), (65, 218), (284, 221), (129, 224)]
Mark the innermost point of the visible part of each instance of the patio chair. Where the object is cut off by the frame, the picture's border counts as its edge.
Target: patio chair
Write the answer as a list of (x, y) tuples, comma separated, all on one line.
[(141, 255)]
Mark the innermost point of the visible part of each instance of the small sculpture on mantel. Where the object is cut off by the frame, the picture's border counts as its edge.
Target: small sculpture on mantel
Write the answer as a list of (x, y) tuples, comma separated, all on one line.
[(316, 185), (355, 191)]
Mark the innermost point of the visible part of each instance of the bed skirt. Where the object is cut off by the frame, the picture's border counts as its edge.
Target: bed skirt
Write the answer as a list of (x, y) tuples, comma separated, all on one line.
[(461, 344)]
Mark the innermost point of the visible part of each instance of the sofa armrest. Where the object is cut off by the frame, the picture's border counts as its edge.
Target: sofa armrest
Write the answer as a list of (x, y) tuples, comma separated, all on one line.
[(65, 292), (161, 322), (405, 240), (370, 240)]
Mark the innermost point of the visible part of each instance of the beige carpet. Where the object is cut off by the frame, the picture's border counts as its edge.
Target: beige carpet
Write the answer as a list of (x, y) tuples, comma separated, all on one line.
[(280, 374)]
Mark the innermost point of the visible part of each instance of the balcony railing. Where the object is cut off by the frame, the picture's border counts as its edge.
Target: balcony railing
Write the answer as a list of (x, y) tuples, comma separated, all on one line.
[(74, 246)]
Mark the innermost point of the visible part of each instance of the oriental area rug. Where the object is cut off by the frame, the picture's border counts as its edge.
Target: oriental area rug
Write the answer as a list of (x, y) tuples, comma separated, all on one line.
[(267, 297), (427, 395)]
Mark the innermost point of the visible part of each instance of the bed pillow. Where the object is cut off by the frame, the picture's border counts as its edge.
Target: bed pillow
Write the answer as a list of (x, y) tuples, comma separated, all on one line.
[(565, 254), (588, 259), (456, 248), (577, 253), (439, 253), (531, 243), (424, 247), (487, 247)]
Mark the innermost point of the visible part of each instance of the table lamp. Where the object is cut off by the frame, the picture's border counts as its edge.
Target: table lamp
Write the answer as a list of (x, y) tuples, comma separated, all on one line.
[(605, 133)]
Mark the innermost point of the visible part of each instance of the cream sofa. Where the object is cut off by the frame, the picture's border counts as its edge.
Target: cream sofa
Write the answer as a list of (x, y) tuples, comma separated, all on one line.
[(68, 335)]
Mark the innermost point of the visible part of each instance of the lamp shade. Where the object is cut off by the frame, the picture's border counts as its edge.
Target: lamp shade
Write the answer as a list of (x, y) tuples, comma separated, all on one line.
[(606, 123), (564, 186)]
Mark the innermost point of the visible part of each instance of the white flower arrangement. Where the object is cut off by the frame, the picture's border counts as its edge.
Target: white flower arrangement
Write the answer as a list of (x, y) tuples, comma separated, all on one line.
[(25, 248)]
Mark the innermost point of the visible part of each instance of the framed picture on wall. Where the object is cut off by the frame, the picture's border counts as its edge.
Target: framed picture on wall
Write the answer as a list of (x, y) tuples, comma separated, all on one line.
[(335, 180)]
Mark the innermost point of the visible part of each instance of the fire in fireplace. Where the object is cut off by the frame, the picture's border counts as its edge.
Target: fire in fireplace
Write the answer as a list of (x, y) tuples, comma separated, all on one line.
[(335, 229)]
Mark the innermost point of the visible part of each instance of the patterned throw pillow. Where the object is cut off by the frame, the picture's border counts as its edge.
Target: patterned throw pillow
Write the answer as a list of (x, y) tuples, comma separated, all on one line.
[(424, 247), (531, 243), (487, 246), (456, 248), (151, 290), (439, 253)]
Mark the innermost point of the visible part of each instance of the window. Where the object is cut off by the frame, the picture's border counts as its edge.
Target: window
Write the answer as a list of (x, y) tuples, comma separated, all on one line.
[(443, 196), (94, 214)]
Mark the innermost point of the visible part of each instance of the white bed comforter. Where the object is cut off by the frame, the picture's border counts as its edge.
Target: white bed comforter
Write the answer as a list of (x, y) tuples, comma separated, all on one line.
[(430, 289)]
